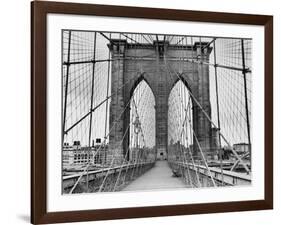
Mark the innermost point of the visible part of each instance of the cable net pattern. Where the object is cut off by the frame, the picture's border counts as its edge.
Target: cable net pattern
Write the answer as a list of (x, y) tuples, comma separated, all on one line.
[(88, 61), (231, 88)]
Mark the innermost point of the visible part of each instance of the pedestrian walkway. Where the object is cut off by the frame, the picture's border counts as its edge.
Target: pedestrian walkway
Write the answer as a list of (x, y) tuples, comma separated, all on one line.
[(158, 177)]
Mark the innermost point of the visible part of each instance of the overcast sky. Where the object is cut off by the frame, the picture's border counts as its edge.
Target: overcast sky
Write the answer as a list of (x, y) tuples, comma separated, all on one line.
[(230, 87)]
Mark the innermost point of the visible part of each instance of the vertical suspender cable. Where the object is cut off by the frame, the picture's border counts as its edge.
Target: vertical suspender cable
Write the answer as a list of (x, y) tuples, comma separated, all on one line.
[(91, 106), (246, 97), (107, 92), (66, 85), (218, 107)]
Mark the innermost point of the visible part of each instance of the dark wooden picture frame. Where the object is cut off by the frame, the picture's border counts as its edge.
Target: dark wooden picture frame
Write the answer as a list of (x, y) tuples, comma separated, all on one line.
[(39, 11)]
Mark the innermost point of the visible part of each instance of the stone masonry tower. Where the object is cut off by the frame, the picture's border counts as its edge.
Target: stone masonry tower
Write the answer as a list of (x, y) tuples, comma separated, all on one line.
[(160, 65)]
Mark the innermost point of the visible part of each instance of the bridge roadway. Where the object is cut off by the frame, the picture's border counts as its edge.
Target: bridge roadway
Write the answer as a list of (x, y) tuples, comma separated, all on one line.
[(158, 177)]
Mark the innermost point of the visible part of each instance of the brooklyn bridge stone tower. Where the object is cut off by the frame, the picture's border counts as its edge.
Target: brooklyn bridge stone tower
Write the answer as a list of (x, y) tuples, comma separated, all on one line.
[(131, 63)]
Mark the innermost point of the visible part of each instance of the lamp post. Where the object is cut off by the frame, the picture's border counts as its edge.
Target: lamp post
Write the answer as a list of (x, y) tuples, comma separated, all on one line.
[(137, 127)]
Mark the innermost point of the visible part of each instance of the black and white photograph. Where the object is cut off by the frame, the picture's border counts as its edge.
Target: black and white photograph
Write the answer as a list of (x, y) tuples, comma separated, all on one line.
[(121, 112), (151, 112)]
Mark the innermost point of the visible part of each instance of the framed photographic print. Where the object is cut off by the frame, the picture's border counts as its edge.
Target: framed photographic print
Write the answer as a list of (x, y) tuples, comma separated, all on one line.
[(143, 112)]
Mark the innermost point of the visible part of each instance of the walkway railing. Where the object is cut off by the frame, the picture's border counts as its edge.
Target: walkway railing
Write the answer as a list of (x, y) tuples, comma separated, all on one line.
[(200, 176), (112, 179), (100, 124)]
